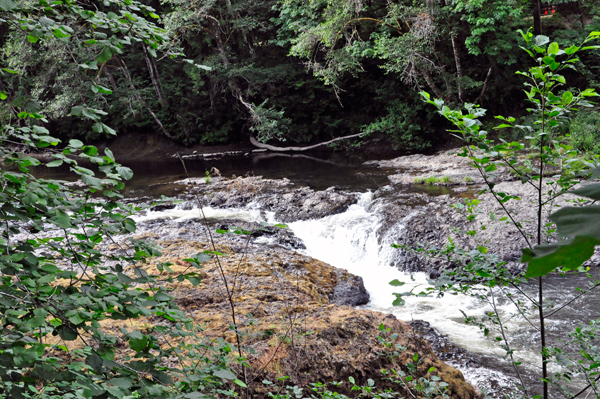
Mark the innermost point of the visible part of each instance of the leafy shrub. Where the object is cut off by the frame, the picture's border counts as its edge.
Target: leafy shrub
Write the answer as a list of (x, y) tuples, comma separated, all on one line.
[(405, 126), (432, 180), (585, 131)]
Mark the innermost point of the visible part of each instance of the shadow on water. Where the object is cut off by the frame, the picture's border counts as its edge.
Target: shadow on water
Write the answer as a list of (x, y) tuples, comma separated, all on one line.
[(316, 170)]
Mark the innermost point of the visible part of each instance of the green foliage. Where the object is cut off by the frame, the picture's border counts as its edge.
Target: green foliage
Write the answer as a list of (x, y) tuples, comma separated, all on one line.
[(585, 132), (492, 25), (432, 180), (405, 126), (554, 171), (61, 285)]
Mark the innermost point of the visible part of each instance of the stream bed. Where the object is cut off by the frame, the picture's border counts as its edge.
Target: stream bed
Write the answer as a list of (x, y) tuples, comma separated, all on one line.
[(359, 240)]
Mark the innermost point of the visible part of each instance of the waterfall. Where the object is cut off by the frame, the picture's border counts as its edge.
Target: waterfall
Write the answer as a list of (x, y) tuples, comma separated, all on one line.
[(359, 241), (353, 240)]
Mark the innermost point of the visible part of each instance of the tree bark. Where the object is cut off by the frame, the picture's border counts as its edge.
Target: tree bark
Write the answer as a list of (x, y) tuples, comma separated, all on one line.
[(487, 78), (154, 77), (436, 90), (258, 144), (537, 19), (459, 73)]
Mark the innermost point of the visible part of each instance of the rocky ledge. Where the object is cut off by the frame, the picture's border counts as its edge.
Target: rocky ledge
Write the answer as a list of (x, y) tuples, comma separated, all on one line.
[(287, 201), (295, 314), (435, 220)]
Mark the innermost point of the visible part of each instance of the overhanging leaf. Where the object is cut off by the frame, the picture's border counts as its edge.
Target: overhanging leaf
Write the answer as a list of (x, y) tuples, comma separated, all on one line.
[(396, 283), (7, 5), (568, 254), (578, 221), (225, 374), (124, 172), (590, 191)]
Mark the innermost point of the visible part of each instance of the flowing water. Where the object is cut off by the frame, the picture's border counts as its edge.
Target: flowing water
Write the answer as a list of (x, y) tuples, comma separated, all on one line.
[(354, 240)]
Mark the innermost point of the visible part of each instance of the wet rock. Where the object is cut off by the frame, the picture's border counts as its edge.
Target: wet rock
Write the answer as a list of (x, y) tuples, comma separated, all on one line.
[(288, 202), (162, 207), (443, 348), (433, 220), (350, 290)]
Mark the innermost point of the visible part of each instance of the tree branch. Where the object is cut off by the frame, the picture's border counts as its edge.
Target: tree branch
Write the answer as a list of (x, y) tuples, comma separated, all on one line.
[(269, 147)]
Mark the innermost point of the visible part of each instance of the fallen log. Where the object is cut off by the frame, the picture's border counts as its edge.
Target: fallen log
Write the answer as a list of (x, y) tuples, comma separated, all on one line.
[(269, 147)]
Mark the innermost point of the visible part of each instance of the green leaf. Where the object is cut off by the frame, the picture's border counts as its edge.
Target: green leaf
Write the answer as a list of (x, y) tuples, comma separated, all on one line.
[(138, 345), (97, 127), (590, 191), (91, 181), (541, 40), (159, 296), (240, 383), (571, 50), (578, 221), (122, 382), (62, 220), (103, 89), (225, 374), (76, 319), (491, 167), (75, 143), (553, 48), (7, 5), (54, 164), (109, 130), (66, 333), (569, 255), (397, 283), (567, 97), (399, 301), (104, 55), (124, 172)]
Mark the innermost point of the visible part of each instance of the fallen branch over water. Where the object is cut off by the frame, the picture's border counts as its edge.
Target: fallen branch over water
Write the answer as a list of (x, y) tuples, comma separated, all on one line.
[(269, 147)]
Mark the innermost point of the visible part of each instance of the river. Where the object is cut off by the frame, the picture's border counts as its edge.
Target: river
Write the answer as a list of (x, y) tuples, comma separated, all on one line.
[(353, 240)]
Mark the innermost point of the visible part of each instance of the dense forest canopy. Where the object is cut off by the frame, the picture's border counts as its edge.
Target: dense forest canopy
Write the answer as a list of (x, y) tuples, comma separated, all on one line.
[(302, 71)]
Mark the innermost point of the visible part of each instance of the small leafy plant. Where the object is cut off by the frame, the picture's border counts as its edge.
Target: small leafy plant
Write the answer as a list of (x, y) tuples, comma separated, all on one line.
[(551, 167)]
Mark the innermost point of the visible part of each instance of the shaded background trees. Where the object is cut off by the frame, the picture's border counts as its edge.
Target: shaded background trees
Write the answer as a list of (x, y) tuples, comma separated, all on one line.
[(301, 71)]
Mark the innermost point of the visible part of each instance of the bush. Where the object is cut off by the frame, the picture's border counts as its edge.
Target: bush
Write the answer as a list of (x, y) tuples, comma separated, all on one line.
[(585, 131)]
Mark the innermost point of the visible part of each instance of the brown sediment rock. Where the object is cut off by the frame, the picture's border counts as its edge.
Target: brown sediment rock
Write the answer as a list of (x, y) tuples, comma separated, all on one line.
[(289, 321)]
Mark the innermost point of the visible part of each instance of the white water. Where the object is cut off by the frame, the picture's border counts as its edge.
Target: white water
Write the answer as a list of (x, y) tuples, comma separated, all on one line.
[(350, 240), (252, 214)]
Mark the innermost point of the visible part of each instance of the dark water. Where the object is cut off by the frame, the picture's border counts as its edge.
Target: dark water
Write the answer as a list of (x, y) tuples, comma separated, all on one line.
[(317, 170)]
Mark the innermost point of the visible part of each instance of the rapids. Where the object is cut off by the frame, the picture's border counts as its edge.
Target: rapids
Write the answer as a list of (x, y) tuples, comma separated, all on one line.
[(354, 240)]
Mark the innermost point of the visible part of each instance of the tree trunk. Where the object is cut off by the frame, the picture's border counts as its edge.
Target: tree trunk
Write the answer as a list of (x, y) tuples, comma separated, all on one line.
[(154, 77), (436, 90), (484, 87), (141, 100), (459, 74), (537, 19)]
